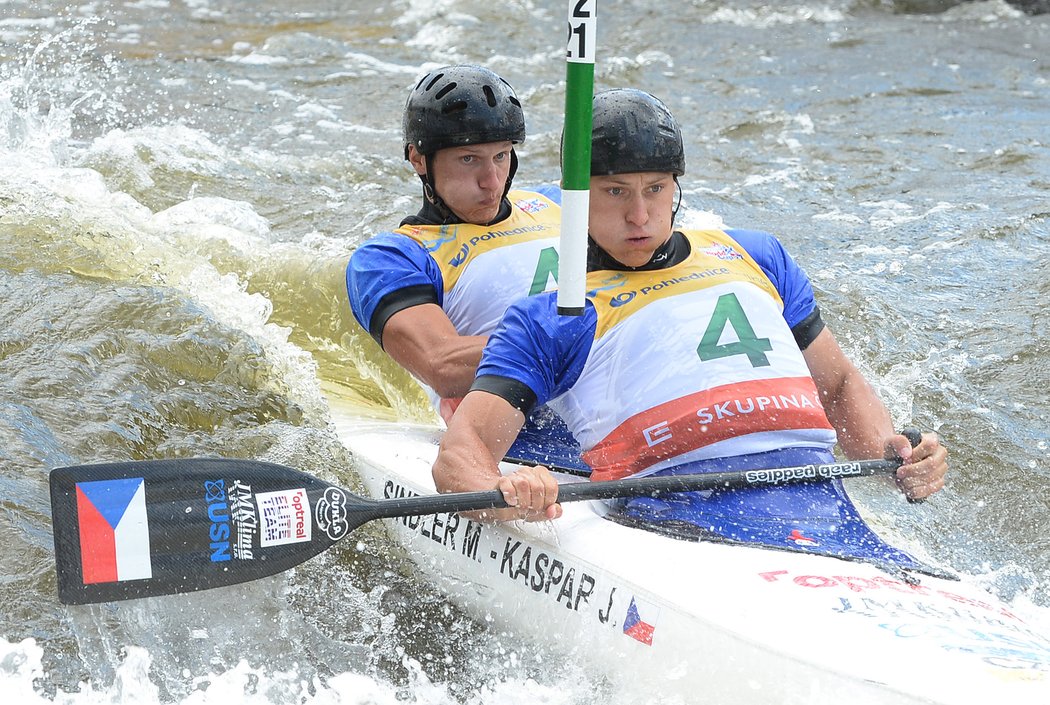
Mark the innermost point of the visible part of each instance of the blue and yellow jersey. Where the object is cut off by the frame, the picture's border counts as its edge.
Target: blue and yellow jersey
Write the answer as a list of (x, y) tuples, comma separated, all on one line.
[(473, 272)]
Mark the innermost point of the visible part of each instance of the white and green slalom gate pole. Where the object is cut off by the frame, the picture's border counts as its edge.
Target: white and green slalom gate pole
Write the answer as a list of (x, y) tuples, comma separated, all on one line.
[(576, 156)]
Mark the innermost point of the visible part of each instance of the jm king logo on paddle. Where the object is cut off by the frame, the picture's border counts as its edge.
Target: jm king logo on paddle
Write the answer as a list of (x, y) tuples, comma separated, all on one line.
[(234, 522)]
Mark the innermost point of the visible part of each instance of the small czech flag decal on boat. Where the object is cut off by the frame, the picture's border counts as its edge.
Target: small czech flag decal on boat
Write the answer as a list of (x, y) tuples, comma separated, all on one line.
[(114, 532), (799, 539), (640, 623)]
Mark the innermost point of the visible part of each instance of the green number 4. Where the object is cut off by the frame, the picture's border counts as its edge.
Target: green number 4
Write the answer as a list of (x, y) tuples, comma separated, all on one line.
[(546, 269), (728, 310)]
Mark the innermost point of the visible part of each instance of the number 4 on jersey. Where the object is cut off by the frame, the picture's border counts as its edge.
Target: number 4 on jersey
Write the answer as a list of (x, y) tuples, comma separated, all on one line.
[(546, 269), (728, 310)]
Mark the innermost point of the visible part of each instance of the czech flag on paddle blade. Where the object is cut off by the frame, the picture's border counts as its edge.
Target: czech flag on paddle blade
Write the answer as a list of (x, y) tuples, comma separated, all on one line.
[(640, 622), (114, 533)]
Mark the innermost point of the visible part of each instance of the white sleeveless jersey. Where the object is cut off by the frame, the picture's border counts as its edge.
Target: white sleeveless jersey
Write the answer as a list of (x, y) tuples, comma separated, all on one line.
[(690, 362)]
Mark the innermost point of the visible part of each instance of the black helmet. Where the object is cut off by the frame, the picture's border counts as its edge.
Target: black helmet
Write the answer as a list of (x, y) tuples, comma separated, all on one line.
[(461, 105), (633, 132)]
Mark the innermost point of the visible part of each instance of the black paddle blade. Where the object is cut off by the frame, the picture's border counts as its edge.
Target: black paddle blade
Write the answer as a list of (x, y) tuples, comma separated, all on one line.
[(157, 527)]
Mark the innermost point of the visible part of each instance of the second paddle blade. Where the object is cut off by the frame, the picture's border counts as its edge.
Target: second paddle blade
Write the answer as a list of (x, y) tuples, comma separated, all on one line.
[(157, 527)]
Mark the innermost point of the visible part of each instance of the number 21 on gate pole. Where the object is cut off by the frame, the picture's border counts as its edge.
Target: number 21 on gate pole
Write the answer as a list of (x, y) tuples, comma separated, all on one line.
[(576, 155)]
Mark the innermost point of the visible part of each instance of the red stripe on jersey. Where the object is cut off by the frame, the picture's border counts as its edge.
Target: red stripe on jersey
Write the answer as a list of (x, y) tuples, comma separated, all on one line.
[(697, 420)]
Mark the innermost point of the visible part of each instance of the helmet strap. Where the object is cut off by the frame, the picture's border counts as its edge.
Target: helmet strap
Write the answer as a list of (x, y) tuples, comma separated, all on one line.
[(430, 192), (513, 170), (674, 213)]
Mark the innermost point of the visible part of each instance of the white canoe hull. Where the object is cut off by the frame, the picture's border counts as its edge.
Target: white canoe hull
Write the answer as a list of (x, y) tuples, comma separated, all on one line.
[(704, 621)]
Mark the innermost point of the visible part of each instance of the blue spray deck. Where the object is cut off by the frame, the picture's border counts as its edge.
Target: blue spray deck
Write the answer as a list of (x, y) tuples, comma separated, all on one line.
[(817, 518)]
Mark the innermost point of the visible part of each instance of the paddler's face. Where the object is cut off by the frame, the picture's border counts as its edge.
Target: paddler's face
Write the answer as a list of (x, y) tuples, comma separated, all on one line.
[(630, 214), (470, 180)]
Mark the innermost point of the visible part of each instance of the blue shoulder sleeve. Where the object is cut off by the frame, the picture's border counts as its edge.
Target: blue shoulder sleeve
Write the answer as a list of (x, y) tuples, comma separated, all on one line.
[(387, 274), (790, 281), (534, 354)]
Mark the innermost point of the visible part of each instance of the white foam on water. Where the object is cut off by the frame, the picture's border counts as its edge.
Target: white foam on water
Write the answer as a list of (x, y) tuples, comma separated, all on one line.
[(21, 664), (988, 11), (891, 214), (172, 247), (424, 10), (693, 219), (135, 155), (367, 61), (257, 59), (236, 222), (837, 215), (764, 17)]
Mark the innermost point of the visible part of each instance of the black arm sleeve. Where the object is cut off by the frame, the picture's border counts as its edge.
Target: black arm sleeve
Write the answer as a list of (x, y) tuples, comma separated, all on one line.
[(807, 330), (398, 301), (512, 391)]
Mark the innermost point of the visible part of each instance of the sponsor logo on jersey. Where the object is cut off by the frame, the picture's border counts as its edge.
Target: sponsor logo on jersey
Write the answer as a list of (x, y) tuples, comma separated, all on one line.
[(489, 237), (661, 287), (612, 282), (445, 235), (723, 252), (532, 205), (460, 257)]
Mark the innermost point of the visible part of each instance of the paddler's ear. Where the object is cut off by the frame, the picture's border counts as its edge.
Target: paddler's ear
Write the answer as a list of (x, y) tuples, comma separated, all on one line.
[(416, 159)]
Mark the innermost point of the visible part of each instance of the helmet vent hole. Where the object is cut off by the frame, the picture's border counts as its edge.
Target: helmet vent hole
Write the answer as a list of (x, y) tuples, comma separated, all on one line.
[(445, 91), (490, 96), (454, 107), (434, 80)]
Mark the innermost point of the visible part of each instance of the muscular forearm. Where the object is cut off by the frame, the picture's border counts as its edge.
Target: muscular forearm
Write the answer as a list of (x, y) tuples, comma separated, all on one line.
[(477, 437), (446, 365), (863, 424), (464, 462), (859, 417), (861, 420), (423, 341)]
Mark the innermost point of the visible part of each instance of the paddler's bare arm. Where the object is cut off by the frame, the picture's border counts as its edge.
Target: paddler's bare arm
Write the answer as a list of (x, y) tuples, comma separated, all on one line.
[(863, 424), (423, 340), (481, 431)]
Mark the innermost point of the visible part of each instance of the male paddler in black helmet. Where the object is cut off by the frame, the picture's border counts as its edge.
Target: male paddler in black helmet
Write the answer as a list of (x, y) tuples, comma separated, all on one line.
[(432, 291), (697, 351)]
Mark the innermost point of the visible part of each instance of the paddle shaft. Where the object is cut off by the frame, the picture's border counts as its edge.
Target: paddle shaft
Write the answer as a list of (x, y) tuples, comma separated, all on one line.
[(642, 487)]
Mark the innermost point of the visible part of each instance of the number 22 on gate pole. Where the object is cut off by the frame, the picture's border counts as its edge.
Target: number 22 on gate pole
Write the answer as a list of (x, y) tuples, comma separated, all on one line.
[(576, 155)]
